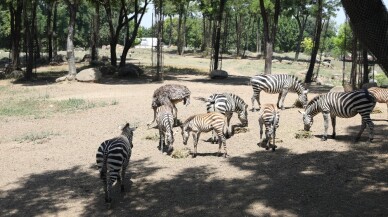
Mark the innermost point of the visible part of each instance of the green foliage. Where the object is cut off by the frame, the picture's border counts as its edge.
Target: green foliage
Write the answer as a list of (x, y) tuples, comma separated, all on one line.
[(343, 40), (287, 35), (307, 45), (381, 79)]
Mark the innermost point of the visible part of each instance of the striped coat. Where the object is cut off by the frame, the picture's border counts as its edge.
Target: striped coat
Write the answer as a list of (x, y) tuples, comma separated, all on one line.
[(277, 84), (380, 94), (344, 105), (226, 104), (269, 117), (165, 122), (112, 160), (205, 123)]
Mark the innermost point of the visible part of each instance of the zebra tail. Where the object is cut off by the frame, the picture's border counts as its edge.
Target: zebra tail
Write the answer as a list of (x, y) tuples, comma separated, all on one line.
[(200, 99), (104, 168)]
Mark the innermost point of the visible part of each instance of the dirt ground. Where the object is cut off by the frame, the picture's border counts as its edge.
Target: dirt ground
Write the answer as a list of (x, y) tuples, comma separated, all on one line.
[(303, 177)]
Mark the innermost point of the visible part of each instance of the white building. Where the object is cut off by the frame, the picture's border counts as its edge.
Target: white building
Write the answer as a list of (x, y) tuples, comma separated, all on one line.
[(147, 43)]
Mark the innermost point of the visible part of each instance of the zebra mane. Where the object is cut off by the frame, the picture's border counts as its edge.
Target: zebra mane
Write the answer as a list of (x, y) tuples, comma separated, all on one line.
[(313, 100), (298, 83), (188, 120)]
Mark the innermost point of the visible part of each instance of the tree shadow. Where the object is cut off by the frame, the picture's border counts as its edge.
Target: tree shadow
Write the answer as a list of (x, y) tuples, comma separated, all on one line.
[(318, 89), (47, 193)]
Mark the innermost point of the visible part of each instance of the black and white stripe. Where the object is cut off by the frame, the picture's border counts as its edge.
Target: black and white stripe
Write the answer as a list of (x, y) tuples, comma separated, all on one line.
[(112, 160), (343, 105), (277, 84), (204, 123), (269, 117), (165, 122), (380, 94), (226, 104)]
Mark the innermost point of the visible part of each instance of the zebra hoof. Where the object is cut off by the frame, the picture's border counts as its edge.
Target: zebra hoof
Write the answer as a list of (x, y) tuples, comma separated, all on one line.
[(225, 155), (194, 156), (324, 138), (273, 149)]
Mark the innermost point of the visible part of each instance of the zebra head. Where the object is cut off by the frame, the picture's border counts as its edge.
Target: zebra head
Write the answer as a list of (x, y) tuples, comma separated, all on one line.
[(243, 115), (185, 133), (303, 98), (127, 131), (307, 121)]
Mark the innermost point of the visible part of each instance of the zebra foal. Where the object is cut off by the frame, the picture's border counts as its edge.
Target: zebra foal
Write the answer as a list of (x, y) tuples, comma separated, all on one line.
[(226, 104), (380, 94), (277, 84), (205, 123), (112, 160), (165, 123), (344, 105), (269, 117)]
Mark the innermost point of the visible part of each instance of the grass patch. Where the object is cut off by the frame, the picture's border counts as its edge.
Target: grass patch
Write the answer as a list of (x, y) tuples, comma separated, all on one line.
[(180, 153), (74, 104), (154, 137), (301, 134), (38, 138)]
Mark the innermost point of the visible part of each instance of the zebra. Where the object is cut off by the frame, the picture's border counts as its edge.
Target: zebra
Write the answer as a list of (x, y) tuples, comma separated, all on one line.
[(205, 123), (344, 105), (226, 104), (380, 94), (269, 116), (112, 160), (165, 122), (277, 84)]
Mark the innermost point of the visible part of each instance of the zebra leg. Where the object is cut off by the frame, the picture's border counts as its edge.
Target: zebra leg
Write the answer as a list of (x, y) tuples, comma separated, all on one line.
[(261, 127), (326, 125), (281, 97), (268, 138), (333, 123), (150, 124), (122, 177), (228, 117), (108, 189), (161, 140), (175, 115), (195, 138), (256, 96), (214, 137), (371, 128), (363, 126)]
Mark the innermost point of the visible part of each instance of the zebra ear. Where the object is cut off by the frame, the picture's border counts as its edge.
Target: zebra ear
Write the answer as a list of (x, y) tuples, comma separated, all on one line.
[(122, 127)]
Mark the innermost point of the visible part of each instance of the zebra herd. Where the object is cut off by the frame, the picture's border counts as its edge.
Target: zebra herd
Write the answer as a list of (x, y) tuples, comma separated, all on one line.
[(113, 155)]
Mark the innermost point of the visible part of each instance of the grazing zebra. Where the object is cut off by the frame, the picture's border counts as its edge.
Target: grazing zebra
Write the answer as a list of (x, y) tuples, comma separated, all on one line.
[(226, 104), (380, 94), (269, 116), (165, 121), (277, 84), (205, 123), (113, 158), (344, 105)]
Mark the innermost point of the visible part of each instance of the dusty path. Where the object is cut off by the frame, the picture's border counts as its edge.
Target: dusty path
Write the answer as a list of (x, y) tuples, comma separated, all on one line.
[(58, 176)]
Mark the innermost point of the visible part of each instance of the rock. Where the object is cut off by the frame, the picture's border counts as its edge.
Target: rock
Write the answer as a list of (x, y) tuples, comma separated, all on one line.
[(275, 61), (337, 89), (60, 79), (86, 58), (218, 74), (89, 75), (130, 70), (107, 70), (287, 62), (369, 85)]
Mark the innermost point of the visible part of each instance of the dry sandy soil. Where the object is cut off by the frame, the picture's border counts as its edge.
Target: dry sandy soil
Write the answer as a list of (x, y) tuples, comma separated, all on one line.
[(57, 175)]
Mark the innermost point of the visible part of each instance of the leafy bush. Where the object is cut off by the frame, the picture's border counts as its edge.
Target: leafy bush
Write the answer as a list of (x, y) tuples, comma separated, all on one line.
[(307, 45)]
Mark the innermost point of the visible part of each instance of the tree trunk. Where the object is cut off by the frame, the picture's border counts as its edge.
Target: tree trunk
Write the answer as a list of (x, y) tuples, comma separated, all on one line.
[(258, 38), (16, 26), (204, 33), (224, 48), (35, 32), (366, 65), (49, 31), (28, 30), (317, 37), (95, 34), (129, 40), (269, 34), (353, 72), (55, 36), (70, 41), (180, 19), (218, 34), (302, 26), (238, 33)]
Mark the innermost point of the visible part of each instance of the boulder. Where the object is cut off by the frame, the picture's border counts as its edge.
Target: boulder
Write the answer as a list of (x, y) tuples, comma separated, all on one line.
[(89, 75), (218, 74), (130, 70), (287, 62), (337, 89), (275, 61), (60, 79)]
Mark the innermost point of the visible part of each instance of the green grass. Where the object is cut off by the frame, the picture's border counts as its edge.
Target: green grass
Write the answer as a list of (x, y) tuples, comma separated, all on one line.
[(41, 106), (38, 138)]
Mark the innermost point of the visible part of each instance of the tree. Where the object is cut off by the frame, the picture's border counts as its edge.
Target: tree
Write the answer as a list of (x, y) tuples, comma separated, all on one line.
[(16, 27), (270, 28), (317, 38), (218, 34), (94, 40), (72, 6)]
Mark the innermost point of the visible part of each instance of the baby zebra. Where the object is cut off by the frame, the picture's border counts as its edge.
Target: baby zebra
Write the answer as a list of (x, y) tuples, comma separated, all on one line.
[(380, 94), (205, 123), (165, 121), (113, 158), (269, 116)]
